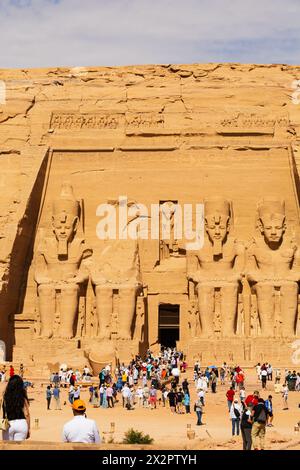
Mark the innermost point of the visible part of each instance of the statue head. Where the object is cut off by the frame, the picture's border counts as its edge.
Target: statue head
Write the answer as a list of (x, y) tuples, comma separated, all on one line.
[(271, 220), (65, 217), (218, 214)]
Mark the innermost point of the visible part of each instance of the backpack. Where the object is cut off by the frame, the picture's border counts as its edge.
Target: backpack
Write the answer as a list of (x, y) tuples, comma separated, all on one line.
[(262, 417), (237, 413)]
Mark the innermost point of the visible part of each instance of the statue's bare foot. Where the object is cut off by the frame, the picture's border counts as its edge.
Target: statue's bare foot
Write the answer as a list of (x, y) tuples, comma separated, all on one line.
[(46, 334), (66, 335)]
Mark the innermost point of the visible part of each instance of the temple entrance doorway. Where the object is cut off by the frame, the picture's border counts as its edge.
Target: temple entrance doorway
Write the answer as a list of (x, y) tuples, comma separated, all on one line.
[(168, 325)]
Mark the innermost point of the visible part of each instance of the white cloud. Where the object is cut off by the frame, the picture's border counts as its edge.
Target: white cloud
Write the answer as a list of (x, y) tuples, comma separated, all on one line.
[(41, 33)]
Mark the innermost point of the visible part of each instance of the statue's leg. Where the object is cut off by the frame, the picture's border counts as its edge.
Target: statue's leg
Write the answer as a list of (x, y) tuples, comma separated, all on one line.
[(127, 305), (229, 296), (46, 296), (68, 310), (266, 307), (206, 304), (288, 304), (104, 306)]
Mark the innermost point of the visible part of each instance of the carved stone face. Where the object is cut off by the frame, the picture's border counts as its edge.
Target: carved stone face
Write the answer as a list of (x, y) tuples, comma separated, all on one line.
[(217, 227), (64, 226), (273, 227)]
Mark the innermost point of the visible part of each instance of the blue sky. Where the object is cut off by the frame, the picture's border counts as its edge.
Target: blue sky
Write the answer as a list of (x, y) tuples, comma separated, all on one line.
[(47, 33)]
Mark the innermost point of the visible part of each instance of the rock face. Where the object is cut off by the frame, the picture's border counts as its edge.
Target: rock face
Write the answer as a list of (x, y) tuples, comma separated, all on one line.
[(158, 138)]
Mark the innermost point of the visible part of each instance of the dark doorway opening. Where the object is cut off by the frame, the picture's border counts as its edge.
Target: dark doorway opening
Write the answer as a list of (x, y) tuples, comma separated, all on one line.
[(168, 325)]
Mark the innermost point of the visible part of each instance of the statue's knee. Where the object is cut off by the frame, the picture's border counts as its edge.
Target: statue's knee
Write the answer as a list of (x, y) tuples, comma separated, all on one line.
[(71, 289), (290, 288), (45, 290)]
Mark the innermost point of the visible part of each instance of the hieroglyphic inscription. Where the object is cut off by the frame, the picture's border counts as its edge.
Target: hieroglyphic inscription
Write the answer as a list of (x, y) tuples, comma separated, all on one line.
[(77, 121)]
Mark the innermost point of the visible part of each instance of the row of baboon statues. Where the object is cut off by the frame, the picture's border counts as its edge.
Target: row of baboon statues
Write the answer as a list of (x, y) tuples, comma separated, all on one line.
[(270, 263)]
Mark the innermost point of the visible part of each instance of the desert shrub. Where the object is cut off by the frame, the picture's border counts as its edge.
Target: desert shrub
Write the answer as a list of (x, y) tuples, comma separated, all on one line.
[(136, 437)]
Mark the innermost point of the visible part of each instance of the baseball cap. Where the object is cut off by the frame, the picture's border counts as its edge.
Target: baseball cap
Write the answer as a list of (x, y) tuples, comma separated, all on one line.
[(79, 405)]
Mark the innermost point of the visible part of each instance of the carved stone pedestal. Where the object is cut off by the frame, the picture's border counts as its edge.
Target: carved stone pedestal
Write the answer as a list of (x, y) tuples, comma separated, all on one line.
[(245, 352)]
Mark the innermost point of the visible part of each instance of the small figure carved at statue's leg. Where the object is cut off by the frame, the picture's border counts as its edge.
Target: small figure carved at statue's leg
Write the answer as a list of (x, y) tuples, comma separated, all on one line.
[(127, 305), (68, 310), (289, 303), (206, 303), (104, 306), (265, 303), (229, 309), (46, 295)]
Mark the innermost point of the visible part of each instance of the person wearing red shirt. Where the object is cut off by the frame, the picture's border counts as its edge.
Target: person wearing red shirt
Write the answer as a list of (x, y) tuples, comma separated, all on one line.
[(11, 371), (252, 399), (230, 396)]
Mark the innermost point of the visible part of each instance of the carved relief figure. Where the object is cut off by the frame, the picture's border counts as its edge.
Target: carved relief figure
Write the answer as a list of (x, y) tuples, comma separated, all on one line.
[(168, 242), (220, 266), (273, 269), (59, 267)]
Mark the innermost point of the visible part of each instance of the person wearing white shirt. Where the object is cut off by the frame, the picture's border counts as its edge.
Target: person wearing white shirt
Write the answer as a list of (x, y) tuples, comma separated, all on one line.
[(201, 395), (140, 396), (80, 428), (236, 411)]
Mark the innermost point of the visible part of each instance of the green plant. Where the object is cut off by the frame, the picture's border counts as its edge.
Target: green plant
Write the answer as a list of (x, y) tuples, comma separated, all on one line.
[(136, 437)]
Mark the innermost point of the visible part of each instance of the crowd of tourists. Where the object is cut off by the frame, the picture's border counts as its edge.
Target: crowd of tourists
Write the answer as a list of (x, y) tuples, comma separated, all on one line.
[(154, 381)]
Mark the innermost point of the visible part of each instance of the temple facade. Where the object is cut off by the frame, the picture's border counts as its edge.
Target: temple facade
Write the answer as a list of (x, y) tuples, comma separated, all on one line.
[(148, 206)]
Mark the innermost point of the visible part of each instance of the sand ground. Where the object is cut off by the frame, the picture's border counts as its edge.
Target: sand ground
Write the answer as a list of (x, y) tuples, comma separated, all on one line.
[(170, 430)]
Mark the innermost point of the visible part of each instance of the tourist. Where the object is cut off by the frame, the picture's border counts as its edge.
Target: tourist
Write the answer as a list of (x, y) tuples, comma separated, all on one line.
[(252, 399), (285, 393), (152, 397), (80, 428), (246, 427), (264, 375), (56, 395), (242, 394), (101, 393), (179, 401), (270, 372), (230, 396), (185, 386), (198, 407), (297, 385), (126, 395), (146, 395), (201, 396), (236, 411), (172, 400), (104, 398), (16, 410), (48, 396), (77, 392), (21, 370), (91, 392), (11, 371), (139, 396), (277, 376), (165, 396), (71, 394), (186, 402), (258, 371), (269, 406), (259, 418), (213, 379), (109, 396)]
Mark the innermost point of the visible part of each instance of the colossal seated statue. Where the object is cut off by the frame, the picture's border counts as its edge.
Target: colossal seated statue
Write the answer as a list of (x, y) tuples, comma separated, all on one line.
[(273, 266), (220, 264), (116, 272), (59, 267)]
